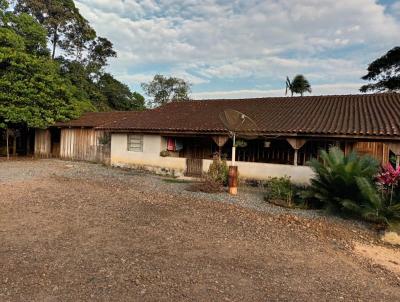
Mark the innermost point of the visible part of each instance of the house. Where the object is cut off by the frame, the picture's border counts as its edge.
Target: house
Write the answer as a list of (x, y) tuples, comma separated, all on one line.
[(182, 137)]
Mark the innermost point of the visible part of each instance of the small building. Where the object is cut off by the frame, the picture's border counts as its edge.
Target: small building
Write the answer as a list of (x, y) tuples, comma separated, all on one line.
[(181, 137), (78, 139)]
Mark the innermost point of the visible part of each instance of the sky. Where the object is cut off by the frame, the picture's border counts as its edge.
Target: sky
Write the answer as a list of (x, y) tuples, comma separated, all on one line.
[(246, 48)]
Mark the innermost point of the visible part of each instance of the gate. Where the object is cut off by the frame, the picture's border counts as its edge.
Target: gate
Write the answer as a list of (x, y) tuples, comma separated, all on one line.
[(194, 167)]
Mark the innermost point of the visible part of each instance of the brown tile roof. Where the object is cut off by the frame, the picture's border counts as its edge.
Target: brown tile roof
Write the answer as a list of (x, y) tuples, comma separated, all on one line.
[(346, 115), (96, 119)]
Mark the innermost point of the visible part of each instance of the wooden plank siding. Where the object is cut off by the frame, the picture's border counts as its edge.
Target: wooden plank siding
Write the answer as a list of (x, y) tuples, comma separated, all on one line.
[(83, 144), (378, 150), (42, 143)]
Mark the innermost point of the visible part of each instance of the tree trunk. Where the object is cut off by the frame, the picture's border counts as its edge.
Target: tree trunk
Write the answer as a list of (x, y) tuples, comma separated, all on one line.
[(14, 145), (8, 150), (54, 41)]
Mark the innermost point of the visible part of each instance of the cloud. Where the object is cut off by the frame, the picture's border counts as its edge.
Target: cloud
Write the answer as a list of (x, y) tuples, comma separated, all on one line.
[(219, 42), (326, 89)]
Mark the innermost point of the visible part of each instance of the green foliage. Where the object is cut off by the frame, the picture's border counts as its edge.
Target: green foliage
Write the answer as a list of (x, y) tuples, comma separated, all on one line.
[(85, 55), (66, 27), (385, 71), (8, 38), (281, 191), (374, 207), (240, 143), (299, 85), (33, 93), (279, 188), (335, 181), (119, 96), (33, 34), (166, 89), (218, 171)]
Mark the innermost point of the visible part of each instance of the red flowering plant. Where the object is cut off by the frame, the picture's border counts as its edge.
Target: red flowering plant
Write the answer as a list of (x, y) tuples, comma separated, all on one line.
[(388, 178)]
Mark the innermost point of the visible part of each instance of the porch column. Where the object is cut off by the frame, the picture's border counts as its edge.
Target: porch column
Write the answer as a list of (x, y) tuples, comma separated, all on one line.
[(395, 148), (296, 144)]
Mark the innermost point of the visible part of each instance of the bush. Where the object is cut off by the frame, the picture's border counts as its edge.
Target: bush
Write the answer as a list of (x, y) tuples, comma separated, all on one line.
[(218, 171), (281, 191), (374, 207), (335, 181), (164, 153)]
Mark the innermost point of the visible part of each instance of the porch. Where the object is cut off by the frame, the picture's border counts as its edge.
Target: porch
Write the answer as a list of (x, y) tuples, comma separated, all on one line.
[(282, 151)]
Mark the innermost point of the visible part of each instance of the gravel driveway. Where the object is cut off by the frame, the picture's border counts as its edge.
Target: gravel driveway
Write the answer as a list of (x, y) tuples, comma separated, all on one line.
[(83, 232)]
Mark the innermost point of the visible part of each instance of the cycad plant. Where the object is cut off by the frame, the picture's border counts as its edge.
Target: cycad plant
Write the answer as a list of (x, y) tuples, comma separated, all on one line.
[(374, 207), (335, 181)]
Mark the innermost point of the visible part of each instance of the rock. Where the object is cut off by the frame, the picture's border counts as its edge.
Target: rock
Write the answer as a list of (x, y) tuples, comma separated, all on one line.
[(391, 237)]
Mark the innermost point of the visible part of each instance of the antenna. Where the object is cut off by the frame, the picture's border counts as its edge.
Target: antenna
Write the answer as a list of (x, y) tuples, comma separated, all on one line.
[(239, 125)]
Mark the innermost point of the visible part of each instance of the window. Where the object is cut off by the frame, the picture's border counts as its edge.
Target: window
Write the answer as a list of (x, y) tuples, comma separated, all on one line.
[(135, 143)]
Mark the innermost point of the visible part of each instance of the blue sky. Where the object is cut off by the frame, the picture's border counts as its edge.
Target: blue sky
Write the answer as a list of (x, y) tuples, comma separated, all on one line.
[(246, 48)]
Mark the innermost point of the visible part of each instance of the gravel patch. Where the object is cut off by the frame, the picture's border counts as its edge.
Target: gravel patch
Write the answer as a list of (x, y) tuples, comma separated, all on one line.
[(74, 231)]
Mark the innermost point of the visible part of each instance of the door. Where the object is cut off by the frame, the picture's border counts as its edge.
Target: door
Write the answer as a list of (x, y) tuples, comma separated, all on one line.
[(194, 167)]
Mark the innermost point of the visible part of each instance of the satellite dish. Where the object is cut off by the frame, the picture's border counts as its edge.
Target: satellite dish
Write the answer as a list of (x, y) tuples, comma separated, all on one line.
[(239, 125)]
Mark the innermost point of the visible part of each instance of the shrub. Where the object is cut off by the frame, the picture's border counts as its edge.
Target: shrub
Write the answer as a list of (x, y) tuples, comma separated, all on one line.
[(374, 207), (281, 191), (335, 181), (164, 153), (218, 171)]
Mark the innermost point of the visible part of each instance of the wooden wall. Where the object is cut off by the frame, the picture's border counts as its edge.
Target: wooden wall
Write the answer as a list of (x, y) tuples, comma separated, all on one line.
[(42, 143), (378, 150), (83, 144)]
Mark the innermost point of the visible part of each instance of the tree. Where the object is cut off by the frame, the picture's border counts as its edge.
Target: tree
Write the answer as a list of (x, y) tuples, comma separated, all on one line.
[(166, 89), (65, 26), (119, 96), (385, 71), (299, 85), (32, 32), (100, 50), (32, 91)]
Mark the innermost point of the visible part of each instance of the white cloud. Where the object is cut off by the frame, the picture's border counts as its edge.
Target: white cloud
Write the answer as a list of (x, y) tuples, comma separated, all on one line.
[(326, 89), (330, 40)]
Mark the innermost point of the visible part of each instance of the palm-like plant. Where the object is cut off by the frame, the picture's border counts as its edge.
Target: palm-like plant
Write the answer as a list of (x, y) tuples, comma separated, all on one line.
[(289, 86), (335, 182), (299, 85), (374, 207)]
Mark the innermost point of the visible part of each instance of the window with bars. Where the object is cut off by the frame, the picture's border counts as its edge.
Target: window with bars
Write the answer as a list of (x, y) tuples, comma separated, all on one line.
[(135, 143)]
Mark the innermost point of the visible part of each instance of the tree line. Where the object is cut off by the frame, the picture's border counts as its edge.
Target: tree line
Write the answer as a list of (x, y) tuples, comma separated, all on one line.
[(40, 85)]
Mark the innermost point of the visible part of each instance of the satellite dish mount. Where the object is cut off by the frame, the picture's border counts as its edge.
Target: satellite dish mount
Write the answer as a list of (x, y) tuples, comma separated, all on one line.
[(238, 125)]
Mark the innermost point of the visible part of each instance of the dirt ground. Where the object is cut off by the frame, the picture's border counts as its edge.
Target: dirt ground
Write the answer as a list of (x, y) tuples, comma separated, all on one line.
[(83, 232)]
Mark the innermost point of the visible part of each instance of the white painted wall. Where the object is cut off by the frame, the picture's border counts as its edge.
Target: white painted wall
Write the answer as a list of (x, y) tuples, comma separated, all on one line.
[(150, 159), (297, 174)]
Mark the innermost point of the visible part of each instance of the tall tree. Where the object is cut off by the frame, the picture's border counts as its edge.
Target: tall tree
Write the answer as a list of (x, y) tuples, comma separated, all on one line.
[(65, 25), (299, 85), (99, 51), (385, 71), (163, 90)]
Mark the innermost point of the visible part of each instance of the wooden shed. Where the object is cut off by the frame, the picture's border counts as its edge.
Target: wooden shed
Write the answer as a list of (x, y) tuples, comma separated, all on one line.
[(78, 139)]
